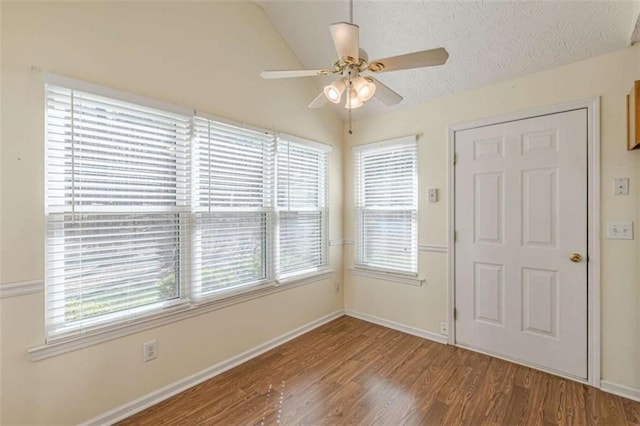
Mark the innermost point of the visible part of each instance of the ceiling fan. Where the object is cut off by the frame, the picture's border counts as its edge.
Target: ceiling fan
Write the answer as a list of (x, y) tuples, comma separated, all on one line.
[(352, 62)]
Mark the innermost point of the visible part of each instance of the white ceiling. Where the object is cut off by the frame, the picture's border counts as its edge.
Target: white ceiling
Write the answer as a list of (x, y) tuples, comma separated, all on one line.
[(488, 41)]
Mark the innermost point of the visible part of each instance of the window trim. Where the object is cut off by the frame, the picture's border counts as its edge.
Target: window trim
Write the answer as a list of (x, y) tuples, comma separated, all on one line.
[(168, 316), (96, 89), (380, 272), (101, 329), (387, 275)]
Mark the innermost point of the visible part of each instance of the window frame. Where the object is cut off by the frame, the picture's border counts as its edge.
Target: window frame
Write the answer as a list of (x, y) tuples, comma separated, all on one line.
[(60, 330), (360, 209), (323, 209), (267, 209), (113, 325)]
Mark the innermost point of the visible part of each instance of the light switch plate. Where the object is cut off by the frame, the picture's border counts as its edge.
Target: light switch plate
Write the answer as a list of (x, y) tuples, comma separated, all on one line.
[(433, 195), (620, 230), (621, 186)]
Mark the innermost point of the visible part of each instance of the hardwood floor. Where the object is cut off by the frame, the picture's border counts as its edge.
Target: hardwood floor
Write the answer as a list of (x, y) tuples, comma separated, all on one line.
[(353, 372)]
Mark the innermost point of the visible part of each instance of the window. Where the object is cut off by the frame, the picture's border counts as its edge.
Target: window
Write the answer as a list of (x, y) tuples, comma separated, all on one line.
[(234, 178), (301, 206), (150, 207), (116, 201), (386, 206)]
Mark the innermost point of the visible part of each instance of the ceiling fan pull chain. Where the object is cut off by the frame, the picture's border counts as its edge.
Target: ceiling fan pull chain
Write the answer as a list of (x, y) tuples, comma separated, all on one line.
[(349, 97)]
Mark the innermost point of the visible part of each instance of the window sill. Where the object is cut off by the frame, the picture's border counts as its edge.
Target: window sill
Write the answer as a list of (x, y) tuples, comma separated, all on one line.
[(387, 275), (50, 350)]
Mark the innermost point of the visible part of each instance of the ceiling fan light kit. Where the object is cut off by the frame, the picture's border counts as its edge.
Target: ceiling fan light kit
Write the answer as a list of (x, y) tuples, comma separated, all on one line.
[(352, 62), (334, 91), (364, 87), (353, 101)]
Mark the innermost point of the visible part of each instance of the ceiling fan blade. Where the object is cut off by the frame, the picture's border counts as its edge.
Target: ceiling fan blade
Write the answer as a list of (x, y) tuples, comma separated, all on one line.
[(319, 101), (385, 94), (293, 73), (425, 58), (346, 39)]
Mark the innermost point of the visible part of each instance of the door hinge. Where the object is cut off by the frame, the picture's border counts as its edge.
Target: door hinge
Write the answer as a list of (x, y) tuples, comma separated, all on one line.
[(455, 236), (455, 158), (455, 314)]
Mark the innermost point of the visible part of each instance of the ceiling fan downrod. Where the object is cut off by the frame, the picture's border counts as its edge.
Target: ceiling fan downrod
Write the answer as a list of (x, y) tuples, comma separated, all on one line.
[(351, 11)]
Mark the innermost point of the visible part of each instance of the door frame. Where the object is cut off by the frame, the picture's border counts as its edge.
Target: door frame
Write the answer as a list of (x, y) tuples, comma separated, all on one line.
[(592, 106)]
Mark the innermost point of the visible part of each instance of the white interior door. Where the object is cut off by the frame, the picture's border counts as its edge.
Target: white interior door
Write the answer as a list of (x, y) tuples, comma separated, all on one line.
[(521, 245)]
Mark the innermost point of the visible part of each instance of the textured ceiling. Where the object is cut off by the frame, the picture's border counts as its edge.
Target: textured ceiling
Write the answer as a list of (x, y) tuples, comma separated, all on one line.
[(487, 41)]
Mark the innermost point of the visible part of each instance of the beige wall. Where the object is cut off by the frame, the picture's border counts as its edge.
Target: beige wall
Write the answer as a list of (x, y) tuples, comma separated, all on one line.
[(609, 76), (201, 55)]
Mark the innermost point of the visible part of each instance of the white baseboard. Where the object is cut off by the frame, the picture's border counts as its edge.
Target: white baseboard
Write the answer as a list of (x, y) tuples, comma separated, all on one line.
[(397, 326), (128, 409), (620, 390)]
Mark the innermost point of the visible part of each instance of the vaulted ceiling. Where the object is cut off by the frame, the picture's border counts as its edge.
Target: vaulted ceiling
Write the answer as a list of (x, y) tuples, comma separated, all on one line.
[(488, 41)]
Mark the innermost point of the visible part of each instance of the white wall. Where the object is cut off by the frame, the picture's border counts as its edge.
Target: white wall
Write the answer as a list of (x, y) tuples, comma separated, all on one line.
[(609, 76), (200, 55)]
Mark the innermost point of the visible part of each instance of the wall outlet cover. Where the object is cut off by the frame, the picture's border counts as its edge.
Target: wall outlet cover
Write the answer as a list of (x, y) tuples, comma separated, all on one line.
[(621, 186), (433, 195), (620, 230), (444, 329), (150, 350)]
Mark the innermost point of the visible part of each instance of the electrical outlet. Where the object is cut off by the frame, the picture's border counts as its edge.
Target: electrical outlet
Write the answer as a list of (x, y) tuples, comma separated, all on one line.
[(443, 329), (150, 350), (433, 195), (621, 186)]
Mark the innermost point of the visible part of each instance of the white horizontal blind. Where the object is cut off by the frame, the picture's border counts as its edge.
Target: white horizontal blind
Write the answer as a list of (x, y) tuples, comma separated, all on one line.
[(386, 206), (116, 199), (301, 203), (150, 207), (233, 205)]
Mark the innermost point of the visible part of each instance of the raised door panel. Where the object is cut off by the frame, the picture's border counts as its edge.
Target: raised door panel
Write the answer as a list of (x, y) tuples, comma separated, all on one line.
[(488, 208), (540, 302), (540, 207), (488, 288)]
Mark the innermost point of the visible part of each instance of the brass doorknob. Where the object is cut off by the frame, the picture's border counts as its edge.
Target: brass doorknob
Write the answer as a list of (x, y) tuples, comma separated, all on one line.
[(575, 257)]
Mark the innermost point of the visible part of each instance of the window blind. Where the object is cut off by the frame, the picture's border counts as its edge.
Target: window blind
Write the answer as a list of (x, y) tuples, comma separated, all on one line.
[(149, 207), (116, 198), (233, 205), (301, 204), (386, 205)]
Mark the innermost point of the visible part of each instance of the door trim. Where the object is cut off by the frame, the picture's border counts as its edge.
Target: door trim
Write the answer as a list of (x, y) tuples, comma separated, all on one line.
[(592, 106)]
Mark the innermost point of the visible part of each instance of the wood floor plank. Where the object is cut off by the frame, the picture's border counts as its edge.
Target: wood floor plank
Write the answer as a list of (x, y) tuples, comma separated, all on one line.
[(632, 411), (353, 372)]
